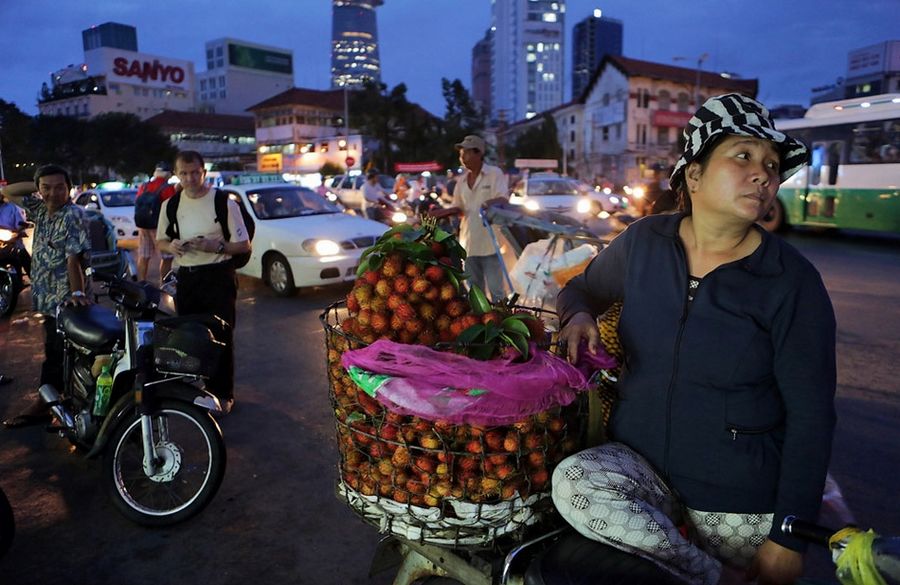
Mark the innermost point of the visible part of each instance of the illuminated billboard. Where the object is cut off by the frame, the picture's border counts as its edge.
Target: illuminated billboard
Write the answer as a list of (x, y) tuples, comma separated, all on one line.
[(260, 59)]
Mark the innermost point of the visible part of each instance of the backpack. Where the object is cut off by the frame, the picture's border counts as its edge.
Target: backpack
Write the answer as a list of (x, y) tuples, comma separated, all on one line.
[(221, 204), (147, 206)]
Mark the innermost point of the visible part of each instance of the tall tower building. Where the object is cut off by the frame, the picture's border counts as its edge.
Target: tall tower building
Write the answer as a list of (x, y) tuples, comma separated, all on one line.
[(594, 37), (527, 57), (481, 72), (354, 43)]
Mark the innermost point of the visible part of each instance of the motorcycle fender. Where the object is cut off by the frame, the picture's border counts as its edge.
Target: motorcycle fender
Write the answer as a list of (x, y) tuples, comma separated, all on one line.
[(123, 408)]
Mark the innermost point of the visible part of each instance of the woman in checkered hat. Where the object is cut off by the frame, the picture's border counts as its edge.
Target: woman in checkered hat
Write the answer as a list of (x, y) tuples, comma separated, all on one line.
[(725, 414)]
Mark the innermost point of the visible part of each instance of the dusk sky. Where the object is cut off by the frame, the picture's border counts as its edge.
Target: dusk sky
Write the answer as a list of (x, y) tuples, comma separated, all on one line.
[(790, 46)]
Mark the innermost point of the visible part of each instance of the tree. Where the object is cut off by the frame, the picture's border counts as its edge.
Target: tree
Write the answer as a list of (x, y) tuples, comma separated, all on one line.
[(61, 140), (539, 141), (461, 117), (125, 145), (331, 169), (15, 140)]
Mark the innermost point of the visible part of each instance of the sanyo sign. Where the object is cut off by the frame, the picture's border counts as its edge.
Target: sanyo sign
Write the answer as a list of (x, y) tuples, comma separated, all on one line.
[(140, 69)]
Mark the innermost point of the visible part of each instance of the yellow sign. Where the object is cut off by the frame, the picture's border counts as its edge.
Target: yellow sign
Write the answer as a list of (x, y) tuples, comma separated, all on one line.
[(270, 163)]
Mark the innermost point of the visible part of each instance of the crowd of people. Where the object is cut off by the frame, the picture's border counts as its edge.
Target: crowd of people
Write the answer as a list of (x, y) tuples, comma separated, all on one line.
[(725, 415)]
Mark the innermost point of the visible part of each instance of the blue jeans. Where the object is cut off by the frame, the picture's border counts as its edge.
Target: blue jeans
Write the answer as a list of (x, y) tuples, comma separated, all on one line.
[(486, 272)]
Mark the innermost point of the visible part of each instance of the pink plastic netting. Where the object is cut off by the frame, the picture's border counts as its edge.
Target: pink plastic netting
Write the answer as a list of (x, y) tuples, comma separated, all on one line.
[(445, 386)]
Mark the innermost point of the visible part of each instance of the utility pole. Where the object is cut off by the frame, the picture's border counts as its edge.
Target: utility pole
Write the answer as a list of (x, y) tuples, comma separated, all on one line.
[(700, 61)]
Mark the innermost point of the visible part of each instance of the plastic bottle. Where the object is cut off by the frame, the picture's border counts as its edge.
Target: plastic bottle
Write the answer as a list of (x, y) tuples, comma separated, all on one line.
[(103, 391)]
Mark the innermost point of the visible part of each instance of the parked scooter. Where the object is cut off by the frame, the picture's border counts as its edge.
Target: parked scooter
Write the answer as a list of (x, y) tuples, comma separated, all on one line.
[(15, 262), (163, 453)]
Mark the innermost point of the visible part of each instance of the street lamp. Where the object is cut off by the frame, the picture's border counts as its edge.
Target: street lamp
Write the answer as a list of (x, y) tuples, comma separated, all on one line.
[(700, 61)]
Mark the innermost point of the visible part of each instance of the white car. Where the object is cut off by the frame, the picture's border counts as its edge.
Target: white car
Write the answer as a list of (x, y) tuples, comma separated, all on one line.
[(116, 203), (348, 189), (301, 238), (570, 197)]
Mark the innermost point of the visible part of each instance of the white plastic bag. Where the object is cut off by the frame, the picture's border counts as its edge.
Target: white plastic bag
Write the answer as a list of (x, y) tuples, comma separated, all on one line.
[(532, 275)]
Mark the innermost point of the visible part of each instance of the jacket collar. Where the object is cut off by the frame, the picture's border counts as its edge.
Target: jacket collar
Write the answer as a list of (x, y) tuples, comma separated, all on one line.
[(764, 261)]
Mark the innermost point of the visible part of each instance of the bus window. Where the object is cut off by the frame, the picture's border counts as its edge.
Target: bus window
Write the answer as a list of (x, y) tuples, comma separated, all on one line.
[(816, 161), (834, 160)]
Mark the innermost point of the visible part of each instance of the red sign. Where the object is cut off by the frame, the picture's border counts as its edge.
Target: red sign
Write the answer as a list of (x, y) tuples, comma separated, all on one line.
[(350, 161), (671, 119), (417, 167), (146, 70)]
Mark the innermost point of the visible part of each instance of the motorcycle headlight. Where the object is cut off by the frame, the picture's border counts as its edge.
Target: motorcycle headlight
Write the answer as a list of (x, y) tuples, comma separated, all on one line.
[(392, 196), (6, 235), (584, 205), (398, 217), (322, 247), (532, 205)]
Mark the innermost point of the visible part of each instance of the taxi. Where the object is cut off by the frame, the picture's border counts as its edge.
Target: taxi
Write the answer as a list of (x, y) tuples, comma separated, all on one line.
[(301, 239), (115, 201)]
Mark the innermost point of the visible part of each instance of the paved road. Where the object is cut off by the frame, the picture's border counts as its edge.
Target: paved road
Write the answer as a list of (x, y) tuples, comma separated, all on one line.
[(276, 521)]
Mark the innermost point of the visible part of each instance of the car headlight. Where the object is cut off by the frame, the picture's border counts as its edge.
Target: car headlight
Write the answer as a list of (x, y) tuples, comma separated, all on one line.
[(322, 247), (532, 205), (398, 217), (584, 206)]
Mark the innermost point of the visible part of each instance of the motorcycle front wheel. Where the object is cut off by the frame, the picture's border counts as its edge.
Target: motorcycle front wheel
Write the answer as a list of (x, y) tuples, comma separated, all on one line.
[(9, 293), (7, 524), (184, 478)]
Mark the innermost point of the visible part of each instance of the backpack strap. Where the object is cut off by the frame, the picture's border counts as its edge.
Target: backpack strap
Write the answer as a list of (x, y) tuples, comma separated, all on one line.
[(171, 214), (221, 204)]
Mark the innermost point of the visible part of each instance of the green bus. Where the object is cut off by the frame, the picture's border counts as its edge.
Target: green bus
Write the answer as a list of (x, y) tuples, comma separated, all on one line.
[(853, 179)]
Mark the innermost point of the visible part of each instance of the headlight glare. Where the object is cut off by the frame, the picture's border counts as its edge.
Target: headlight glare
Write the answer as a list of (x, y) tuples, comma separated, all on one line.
[(322, 247)]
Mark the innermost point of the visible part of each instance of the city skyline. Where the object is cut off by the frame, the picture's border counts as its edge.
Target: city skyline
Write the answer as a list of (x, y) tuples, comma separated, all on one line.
[(789, 48)]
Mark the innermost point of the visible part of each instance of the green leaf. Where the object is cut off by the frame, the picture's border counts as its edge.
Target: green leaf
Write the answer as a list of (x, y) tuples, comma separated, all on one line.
[(519, 342), (514, 324), (482, 352), (470, 334), (478, 301), (454, 280), (355, 417)]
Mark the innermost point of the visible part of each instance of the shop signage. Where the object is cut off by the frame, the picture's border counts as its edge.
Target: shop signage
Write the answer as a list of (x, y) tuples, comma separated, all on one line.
[(145, 70), (671, 119)]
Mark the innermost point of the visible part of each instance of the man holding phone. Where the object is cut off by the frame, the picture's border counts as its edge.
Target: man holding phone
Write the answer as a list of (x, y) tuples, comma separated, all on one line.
[(206, 279)]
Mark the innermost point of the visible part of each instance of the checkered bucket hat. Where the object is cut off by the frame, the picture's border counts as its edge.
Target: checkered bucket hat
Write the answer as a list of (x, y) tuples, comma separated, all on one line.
[(737, 114)]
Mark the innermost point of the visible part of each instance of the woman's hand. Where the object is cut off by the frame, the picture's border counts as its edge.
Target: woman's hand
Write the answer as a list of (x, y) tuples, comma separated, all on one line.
[(775, 565), (580, 326)]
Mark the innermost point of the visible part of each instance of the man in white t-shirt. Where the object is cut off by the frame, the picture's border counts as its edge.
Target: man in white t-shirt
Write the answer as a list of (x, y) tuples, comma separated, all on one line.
[(482, 186), (206, 279), (373, 196)]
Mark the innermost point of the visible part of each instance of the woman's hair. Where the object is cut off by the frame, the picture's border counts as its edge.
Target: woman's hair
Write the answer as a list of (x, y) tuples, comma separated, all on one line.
[(47, 170), (680, 185)]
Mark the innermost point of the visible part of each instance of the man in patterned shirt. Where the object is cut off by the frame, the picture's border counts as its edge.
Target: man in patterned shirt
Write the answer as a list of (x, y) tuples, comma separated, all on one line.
[(60, 252)]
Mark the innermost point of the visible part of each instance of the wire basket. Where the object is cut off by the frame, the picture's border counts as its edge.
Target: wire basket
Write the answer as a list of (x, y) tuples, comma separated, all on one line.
[(185, 346), (435, 482)]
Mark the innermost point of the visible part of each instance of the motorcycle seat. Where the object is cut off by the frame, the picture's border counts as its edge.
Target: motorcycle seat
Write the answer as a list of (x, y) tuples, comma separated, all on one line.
[(576, 560), (92, 326)]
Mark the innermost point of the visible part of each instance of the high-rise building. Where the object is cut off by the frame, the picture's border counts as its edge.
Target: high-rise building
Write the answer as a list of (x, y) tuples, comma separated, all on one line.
[(354, 43), (110, 34), (240, 74), (481, 72), (594, 37), (527, 57)]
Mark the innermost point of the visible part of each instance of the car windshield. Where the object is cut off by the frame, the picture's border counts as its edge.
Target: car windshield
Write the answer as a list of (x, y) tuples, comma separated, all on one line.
[(288, 201), (538, 187), (118, 198), (386, 182)]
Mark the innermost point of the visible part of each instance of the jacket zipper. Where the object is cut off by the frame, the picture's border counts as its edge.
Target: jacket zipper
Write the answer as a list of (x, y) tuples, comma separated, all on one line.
[(669, 390), (735, 431)]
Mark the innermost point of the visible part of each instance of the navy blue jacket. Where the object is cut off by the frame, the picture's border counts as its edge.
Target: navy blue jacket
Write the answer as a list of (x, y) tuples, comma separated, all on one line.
[(731, 398)]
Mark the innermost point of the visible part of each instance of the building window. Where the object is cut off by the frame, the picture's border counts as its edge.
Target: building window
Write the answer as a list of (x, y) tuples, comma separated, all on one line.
[(664, 100), (605, 133), (220, 62), (209, 54), (221, 81), (219, 50), (684, 102), (572, 136), (605, 100), (643, 98), (619, 131), (210, 64), (662, 136), (212, 83), (202, 85), (222, 94)]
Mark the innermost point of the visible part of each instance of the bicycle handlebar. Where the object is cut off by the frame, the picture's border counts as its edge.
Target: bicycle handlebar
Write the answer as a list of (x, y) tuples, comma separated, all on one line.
[(808, 531)]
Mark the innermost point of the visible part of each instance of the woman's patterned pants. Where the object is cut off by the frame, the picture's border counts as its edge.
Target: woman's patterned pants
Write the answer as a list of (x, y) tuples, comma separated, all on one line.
[(611, 494)]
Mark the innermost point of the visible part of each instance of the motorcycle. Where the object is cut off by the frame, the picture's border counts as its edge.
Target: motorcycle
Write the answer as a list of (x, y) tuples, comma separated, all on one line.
[(15, 262), (163, 453), (7, 524)]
